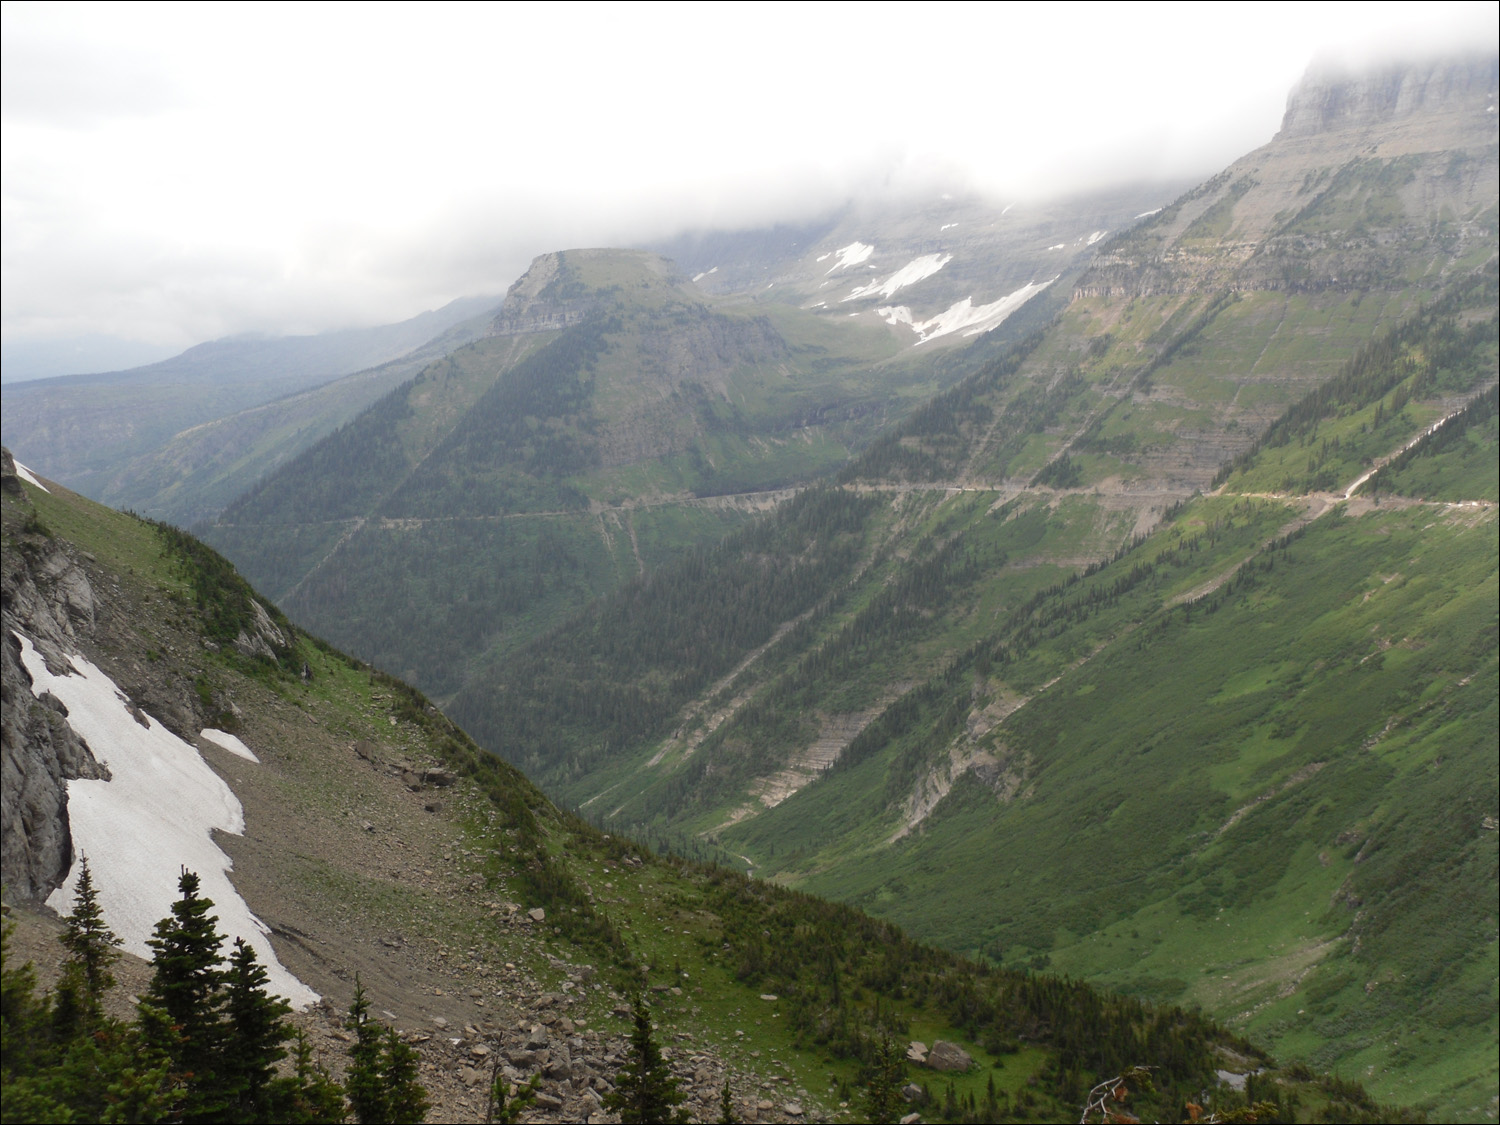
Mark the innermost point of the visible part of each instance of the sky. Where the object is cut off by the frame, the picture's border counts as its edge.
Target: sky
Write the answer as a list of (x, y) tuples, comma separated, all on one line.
[(176, 174)]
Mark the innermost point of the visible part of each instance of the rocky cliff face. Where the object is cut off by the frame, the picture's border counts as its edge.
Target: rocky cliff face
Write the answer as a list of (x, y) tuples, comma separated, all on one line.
[(1331, 98), (560, 289), (47, 597), (1374, 177)]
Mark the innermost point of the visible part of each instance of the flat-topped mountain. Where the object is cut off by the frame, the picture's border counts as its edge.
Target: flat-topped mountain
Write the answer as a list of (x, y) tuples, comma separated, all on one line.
[(1442, 93)]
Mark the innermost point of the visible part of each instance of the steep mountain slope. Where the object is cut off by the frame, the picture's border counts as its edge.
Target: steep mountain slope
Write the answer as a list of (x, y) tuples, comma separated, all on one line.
[(163, 438), (1016, 684), (944, 268), (612, 417), (378, 840)]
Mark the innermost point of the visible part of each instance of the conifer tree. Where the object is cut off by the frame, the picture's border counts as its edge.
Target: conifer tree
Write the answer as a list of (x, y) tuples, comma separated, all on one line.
[(92, 945), (405, 1098), (382, 1077), (883, 1092), (256, 1035), (726, 1106), (502, 1110), (308, 1096), (186, 990), (645, 1090)]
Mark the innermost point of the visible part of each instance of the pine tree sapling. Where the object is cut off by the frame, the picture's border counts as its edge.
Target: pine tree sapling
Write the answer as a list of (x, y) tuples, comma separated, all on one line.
[(91, 944), (308, 1096), (726, 1105), (502, 1110), (887, 1073), (645, 1091), (382, 1078)]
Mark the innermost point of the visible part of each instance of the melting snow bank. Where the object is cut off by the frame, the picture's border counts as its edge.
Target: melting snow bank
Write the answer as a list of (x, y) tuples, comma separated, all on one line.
[(964, 317), (851, 255), (151, 820), (909, 274), (226, 741), (705, 273), (25, 474)]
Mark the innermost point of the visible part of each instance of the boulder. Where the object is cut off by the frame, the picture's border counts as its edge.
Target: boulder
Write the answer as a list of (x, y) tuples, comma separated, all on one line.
[(949, 1056)]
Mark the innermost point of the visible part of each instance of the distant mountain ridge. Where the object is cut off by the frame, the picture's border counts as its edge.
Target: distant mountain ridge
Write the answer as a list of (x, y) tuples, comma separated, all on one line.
[(108, 434)]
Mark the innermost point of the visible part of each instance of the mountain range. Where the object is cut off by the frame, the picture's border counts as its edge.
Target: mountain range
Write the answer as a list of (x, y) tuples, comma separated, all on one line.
[(1106, 589)]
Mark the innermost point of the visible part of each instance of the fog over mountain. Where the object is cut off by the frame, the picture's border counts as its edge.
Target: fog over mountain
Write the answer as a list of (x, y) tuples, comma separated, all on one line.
[(175, 177)]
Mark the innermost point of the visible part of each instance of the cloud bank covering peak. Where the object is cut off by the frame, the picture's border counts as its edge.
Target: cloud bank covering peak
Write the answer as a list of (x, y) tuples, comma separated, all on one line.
[(172, 175)]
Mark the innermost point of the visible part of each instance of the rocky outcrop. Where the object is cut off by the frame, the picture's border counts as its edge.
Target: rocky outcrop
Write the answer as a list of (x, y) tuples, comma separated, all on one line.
[(263, 638), (45, 596), (949, 1056), (561, 289), (1331, 98), (39, 753)]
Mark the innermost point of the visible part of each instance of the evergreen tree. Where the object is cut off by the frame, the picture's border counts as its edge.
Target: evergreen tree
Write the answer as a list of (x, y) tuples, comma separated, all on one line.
[(61, 1070), (883, 1091), (726, 1105), (256, 1035), (382, 1077), (186, 990), (91, 944), (24, 1020), (405, 1098), (645, 1090), (309, 1096), (501, 1110)]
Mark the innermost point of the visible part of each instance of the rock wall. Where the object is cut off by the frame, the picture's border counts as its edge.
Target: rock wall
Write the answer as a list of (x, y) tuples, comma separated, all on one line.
[(47, 597), (1331, 98)]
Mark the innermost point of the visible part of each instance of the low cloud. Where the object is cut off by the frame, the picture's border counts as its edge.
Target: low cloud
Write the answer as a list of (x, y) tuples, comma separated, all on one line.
[(174, 176)]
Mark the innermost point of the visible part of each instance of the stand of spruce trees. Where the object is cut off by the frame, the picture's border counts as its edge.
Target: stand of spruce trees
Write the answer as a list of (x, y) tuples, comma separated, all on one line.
[(207, 1042)]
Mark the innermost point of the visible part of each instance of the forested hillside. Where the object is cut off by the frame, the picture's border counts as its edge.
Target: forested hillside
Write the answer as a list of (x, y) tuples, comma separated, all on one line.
[(410, 878), (614, 418), (1153, 650)]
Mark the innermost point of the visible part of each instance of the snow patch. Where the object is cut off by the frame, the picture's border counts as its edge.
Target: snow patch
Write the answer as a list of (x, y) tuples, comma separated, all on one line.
[(824, 257), (153, 818), (1148, 214), (1008, 206), (914, 271), (226, 741), (705, 273), (1059, 246), (1095, 237), (25, 474), (851, 255), (964, 316), (946, 226)]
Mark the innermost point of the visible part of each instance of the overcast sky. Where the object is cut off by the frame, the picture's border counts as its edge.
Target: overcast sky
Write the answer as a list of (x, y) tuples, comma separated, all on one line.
[(175, 174)]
